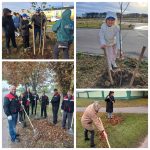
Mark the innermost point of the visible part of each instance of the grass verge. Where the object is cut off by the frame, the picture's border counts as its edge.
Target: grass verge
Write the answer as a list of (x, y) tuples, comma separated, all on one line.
[(128, 134)]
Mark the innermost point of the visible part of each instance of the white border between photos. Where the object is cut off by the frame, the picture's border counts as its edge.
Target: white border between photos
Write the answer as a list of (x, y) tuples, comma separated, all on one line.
[(1, 108)]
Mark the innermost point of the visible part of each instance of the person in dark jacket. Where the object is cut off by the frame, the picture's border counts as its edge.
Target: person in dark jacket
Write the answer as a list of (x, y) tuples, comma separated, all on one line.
[(12, 108), (39, 21), (21, 113), (27, 100), (24, 27), (34, 102), (55, 105), (68, 109), (44, 102), (9, 29), (64, 31), (109, 104)]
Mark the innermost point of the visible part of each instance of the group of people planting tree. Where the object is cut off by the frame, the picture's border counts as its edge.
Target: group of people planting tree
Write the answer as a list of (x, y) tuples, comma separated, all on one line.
[(21, 24), (21, 106), (90, 118)]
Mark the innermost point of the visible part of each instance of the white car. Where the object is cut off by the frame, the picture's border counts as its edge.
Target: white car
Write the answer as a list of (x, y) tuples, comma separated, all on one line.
[(54, 19)]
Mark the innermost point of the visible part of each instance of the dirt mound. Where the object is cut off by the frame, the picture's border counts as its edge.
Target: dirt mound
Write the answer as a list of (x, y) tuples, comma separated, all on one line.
[(115, 120), (49, 136), (121, 78)]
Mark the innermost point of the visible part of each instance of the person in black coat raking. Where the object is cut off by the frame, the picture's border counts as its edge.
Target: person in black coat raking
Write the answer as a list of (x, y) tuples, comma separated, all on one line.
[(109, 104)]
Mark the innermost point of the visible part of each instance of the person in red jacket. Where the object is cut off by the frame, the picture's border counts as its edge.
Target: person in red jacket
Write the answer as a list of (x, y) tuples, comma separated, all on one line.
[(68, 109), (12, 108), (27, 100)]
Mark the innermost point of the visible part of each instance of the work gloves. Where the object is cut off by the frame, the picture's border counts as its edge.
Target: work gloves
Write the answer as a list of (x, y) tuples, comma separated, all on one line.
[(9, 117)]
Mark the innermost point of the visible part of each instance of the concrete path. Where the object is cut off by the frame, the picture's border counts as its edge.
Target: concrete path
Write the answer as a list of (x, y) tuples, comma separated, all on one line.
[(145, 143), (120, 110)]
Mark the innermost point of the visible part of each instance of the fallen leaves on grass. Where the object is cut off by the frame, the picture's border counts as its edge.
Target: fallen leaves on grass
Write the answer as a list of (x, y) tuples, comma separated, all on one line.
[(48, 136)]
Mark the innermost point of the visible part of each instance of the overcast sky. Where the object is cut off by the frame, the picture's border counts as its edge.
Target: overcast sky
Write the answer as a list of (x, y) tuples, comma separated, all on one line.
[(17, 6), (138, 7)]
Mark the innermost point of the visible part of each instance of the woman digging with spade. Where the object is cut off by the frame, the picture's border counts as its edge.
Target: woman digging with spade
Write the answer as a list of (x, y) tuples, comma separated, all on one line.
[(110, 39), (90, 117)]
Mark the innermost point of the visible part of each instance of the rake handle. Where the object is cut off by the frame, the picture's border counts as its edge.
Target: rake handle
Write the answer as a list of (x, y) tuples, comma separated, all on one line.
[(105, 136), (28, 117)]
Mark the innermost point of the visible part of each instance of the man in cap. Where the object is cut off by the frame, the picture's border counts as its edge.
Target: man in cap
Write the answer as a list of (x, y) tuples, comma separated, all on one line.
[(39, 21)]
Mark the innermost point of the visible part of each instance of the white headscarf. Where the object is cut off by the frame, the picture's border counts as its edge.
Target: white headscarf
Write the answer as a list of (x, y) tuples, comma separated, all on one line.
[(111, 14)]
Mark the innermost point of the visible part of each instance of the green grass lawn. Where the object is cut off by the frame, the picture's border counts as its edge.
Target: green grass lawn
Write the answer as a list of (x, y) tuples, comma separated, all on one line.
[(96, 23), (83, 102), (128, 134)]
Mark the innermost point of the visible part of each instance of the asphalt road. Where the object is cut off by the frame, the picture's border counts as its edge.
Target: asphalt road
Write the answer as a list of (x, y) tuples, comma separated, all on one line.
[(133, 40)]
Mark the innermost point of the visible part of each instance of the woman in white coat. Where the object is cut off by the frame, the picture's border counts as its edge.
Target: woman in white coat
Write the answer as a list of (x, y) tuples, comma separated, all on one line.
[(109, 39)]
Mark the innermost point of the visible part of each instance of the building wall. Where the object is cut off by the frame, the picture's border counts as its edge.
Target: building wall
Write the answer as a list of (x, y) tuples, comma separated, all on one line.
[(118, 94)]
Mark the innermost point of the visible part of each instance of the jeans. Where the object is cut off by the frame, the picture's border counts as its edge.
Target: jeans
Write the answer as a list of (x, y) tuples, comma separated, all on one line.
[(109, 115), (67, 116), (12, 126), (39, 32)]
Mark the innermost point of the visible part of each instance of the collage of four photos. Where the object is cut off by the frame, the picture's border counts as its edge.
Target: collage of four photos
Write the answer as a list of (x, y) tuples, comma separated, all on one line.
[(75, 74)]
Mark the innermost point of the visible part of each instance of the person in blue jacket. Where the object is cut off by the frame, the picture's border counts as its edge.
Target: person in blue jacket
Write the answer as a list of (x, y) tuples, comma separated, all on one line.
[(64, 31)]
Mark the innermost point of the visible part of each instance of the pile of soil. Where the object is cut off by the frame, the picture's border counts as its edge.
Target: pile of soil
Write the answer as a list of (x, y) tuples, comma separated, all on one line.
[(92, 72), (50, 41), (48, 136), (115, 120), (121, 78)]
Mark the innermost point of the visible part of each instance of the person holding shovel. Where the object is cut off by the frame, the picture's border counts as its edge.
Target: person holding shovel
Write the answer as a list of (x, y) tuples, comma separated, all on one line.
[(64, 30), (89, 118), (109, 104), (44, 102), (9, 29), (12, 108), (68, 109), (55, 105), (110, 39), (39, 22)]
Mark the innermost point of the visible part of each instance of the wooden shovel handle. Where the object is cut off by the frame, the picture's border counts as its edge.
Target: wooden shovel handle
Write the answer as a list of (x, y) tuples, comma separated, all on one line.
[(137, 66)]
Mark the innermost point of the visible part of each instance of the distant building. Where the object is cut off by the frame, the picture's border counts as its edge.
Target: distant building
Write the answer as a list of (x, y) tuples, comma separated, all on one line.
[(126, 95)]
